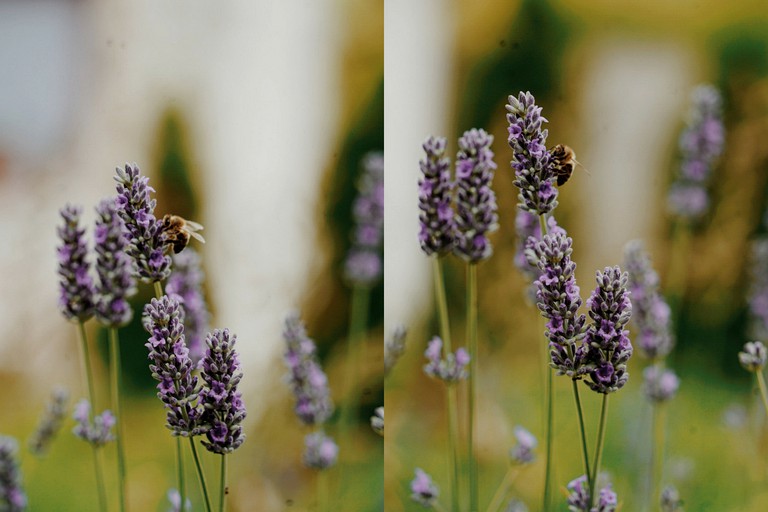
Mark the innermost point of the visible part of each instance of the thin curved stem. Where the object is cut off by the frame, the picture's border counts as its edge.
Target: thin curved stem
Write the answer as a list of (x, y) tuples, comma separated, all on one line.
[(115, 374), (223, 491), (582, 429), (657, 453), (200, 475), (322, 490), (763, 392), (498, 498), (600, 443), (472, 343)]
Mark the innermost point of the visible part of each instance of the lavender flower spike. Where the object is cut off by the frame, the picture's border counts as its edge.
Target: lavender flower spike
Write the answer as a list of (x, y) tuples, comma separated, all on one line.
[(476, 208), (364, 262), (186, 281), (147, 242), (659, 385), (608, 341), (320, 451), (423, 490), (50, 423), (171, 366), (578, 500), (522, 452), (75, 284), (12, 497), (531, 159), (113, 266), (559, 302), (97, 433), (451, 369), (308, 381), (436, 217), (394, 346), (224, 409)]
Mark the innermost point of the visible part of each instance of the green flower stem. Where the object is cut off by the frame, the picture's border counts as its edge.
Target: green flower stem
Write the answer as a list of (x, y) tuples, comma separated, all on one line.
[(582, 429), (158, 290), (97, 457), (550, 406), (451, 392), (223, 491), (472, 343), (600, 444), (200, 475), (115, 374), (322, 490), (657, 453), (761, 385), (498, 499)]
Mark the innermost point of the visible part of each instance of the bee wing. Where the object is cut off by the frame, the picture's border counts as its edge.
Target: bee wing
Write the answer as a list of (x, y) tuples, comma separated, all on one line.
[(197, 236), (193, 226)]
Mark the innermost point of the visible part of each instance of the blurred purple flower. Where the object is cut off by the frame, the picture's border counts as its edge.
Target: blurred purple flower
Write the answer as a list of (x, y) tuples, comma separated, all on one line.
[(436, 215), (394, 346), (175, 500), (76, 290), (186, 281), (522, 452), (659, 384), (97, 433), (50, 423), (363, 266), (579, 497), (12, 497), (451, 369), (320, 451), (423, 490)]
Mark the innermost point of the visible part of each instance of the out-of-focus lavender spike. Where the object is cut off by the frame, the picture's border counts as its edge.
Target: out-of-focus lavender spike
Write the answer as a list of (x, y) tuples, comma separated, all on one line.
[(436, 214), (97, 433), (423, 489), (12, 497), (394, 347), (320, 451), (364, 265), (451, 369), (186, 282), (50, 423)]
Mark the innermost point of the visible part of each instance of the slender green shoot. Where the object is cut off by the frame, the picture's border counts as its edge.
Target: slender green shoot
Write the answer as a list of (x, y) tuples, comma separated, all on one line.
[(582, 429), (115, 374), (472, 343), (599, 447), (200, 475), (501, 493)]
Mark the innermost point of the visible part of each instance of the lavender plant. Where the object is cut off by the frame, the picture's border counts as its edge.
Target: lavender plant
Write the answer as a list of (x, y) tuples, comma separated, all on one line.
[(97, 432), (450, 369), (12, 497), (50, 423), (424, 491), (579, 498)]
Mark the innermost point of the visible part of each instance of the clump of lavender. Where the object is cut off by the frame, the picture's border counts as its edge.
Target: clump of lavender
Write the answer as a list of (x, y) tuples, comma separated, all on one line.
[(186, 281), (758, 290), (223, 405), (531, 160), (423, 489), (394, 347), (50, 423), (12, 497), (113, 266), (320, 451), (450, 369), (97, 433), (306, 378), (364, 266), (171, 366), (436, 216), (76, 296), (659, 384), (701, 144), (147, 242), (608, 341), (579, 497), (377, 421), (475, 200), (523, 451)]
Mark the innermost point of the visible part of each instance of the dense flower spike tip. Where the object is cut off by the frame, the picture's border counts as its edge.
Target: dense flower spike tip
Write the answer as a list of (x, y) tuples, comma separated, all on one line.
[(306, 378), (754, 356), (670, 500), (223, 404), (659, 385), (559, 302), (607, 339), (377, 421), (394, 347), (171, 366), (97, 433), (522, 452), (186, 282), (579, 497), (50, 423), (451, 369), (113, 266), (320, 451), (436, 215), (650, 313), (476, 208), (423, 490), (76, 290), (146, 240), (531, 159), (758, 290), (364, 263), (12, 497)]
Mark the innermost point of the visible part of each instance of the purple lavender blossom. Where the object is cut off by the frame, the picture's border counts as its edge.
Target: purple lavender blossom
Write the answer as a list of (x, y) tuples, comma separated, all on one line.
[(659, 384), (50, 423), (147, 242), (758, 290), (531, 159), (754, 356), (394, 346), (97, 433), (377, 421), (423, 489), (76, 290), (650, 313), (436, 216), (670, 500), (579, 498), (559, 302), (171, 366), (476, 208), (363, 266), (306, 378), (608, 341), (451, 369), (224, 408), (113, 266), (701, 144), (320, 451), (186, 282), (528, 229), (12, 497), (522, 452)]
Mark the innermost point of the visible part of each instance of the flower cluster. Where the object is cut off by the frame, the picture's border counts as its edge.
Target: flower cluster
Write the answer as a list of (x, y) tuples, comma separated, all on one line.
[(436, 218), (97, 433), (475, 200), (223, 405), (659, 384), (76, 296), (50, 423), (522, 452), (607, 339), (579, 497), (531, 160), (113, 266), (364, 264), (186, 282), (320, 451), (650, 313), (394, 346), (754, 356), (146, 239), (758, 290), (423, 489), (528, 229), (701, 144), (451, 369), (12, 497), (171, 366)]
